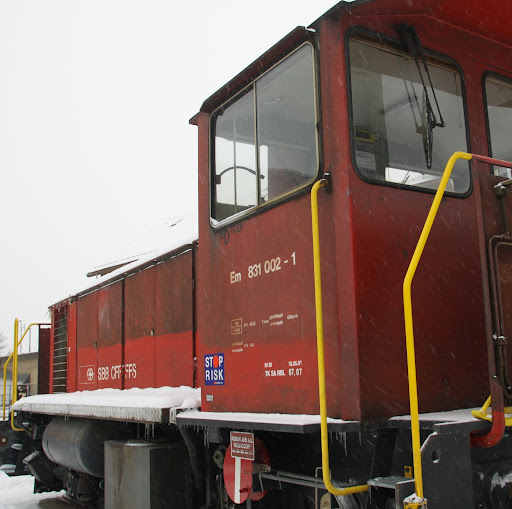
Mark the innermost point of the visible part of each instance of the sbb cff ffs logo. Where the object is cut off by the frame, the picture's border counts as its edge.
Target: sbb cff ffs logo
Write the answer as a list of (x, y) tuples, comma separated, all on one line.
[(214, 369)]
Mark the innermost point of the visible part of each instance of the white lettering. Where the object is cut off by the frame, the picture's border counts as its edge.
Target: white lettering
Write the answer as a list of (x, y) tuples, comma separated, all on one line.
[(117, 371)]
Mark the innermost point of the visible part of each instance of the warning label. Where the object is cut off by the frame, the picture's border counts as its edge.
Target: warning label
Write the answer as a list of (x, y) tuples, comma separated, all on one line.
[(236, 326), (242, 445), (214, 369)]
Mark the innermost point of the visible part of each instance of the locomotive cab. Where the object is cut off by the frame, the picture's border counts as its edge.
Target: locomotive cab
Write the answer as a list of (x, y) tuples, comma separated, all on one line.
[(380, 108)]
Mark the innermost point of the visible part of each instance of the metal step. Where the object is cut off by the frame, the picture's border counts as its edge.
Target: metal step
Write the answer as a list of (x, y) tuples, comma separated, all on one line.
[(7, 468), (384, 489)]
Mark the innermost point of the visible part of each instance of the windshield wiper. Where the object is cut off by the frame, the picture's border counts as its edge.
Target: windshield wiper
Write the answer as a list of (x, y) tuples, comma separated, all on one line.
[(413, 44)]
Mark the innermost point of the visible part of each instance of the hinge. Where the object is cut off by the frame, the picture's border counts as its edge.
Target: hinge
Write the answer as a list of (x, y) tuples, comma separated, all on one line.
[(500, 340)]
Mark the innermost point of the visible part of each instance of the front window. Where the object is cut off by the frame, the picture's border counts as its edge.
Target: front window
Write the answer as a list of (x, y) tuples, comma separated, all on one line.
[(498, 95), (265, 140), (389, 119)]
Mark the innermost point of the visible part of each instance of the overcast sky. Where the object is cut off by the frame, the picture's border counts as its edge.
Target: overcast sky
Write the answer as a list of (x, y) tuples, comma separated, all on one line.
[(96, 154)]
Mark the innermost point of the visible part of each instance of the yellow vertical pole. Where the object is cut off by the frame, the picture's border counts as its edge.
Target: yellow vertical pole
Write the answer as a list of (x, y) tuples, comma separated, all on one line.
[(14, 356), (409, 329), (324, 437), (5, 385), (14, 395)]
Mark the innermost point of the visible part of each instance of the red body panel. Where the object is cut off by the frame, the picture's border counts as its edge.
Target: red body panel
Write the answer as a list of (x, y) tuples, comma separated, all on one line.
[(135, 332), (43, 373), (174, 360), (87, 338)]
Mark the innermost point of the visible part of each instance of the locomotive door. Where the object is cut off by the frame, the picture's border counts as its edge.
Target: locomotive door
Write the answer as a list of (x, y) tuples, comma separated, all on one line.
[(99, 338), (256, 321), (495, 110)]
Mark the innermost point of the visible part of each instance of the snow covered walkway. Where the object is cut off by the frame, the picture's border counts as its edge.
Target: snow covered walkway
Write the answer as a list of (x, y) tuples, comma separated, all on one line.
[(137, 405)]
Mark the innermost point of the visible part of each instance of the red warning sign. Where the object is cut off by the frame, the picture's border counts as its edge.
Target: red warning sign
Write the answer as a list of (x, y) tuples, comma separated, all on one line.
[(238, 471), (242, 445)]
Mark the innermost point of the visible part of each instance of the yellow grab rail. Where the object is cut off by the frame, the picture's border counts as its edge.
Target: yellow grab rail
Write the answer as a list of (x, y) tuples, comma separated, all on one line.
[(14, 387), (14, 356), (484, 413), (320, 351), (15, 349), (409, 332)]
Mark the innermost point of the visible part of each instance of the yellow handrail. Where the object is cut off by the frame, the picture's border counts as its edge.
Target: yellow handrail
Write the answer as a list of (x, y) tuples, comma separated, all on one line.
[(14, 387), (320, 350), (14, 351), (14, 356), (409, 332), (484, 413)]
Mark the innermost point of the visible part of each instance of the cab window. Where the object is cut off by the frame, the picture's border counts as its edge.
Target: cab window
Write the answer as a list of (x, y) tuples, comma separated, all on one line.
[(390, 135), (265, 142), (498, 95)]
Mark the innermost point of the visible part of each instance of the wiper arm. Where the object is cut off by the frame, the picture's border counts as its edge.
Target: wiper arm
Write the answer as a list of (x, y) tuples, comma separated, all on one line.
[(415, 48)]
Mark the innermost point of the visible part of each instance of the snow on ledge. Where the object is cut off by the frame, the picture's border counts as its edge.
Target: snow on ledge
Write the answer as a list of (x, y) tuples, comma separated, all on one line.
[(288, 423), (138, 405), (289, 419), (461, 415)]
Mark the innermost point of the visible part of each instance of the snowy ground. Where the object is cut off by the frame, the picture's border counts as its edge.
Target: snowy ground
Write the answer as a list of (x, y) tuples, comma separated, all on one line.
[(16, 493)]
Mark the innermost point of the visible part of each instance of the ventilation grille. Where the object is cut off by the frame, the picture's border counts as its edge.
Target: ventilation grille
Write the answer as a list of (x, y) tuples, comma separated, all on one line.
[(60, 350)]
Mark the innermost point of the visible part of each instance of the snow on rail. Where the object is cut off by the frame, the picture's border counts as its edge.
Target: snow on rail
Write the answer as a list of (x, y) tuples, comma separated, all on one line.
[(461, 415), (296, 423), (296, 419), (137, 405)]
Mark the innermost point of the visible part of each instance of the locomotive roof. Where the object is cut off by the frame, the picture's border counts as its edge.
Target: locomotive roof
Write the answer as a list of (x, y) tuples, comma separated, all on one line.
[(184, 238), (489, 19)]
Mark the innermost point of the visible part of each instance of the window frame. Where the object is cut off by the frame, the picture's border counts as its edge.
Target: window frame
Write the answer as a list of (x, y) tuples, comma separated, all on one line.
[(502, 77), (251, 85), (392, 43)]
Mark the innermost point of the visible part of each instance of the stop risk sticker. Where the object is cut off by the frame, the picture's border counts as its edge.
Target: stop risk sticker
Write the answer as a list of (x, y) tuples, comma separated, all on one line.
[(214, 369)]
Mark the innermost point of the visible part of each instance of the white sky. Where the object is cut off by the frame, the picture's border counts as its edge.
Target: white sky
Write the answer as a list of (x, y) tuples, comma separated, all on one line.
[(96, 154)]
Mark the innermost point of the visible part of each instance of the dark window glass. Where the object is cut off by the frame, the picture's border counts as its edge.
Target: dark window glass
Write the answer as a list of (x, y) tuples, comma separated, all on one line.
[(389, 119)]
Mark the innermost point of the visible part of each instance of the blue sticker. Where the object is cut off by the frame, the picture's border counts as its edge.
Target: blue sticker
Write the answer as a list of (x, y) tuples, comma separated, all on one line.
[(214, 369)]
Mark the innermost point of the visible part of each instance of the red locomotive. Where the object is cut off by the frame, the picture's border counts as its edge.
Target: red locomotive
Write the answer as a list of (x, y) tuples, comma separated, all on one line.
[(371, 101)]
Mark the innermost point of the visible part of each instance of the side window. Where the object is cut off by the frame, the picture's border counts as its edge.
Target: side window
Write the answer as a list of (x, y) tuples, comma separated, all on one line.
[(389, 119), (235, 158), (265, 139), (498, 97)]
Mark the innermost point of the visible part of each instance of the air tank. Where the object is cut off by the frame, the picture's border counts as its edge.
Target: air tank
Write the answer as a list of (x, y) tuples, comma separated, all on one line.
[(78, 444)]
